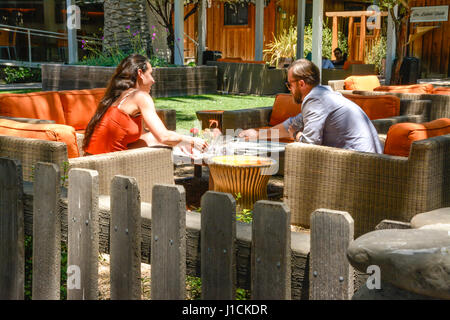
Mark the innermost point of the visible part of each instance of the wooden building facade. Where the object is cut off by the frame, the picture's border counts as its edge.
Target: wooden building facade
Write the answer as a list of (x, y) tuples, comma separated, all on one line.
[(433, 48), (238, 40)]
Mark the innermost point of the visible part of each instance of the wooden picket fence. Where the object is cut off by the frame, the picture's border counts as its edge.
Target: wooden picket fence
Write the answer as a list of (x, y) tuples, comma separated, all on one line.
[(330, 275)]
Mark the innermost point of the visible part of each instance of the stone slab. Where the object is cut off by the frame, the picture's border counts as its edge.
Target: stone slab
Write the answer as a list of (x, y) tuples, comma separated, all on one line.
[(413, 260), (427, 219)]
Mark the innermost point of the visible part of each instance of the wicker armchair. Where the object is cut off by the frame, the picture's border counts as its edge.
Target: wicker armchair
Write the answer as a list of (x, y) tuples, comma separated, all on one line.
[(147, 165), (371, 187)]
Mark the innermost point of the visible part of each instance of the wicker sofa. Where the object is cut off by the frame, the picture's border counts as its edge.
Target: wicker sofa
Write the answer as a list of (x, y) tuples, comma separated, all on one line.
[(71, 107), (411, 110), (147, 165), (371, 187)]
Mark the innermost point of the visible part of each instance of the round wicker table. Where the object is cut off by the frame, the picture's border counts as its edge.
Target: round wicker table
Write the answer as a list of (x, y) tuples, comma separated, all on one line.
[(241, 174)]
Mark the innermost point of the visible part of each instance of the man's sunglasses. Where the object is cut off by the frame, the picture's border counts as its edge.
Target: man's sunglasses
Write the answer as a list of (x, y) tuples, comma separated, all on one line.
[(289, 84)]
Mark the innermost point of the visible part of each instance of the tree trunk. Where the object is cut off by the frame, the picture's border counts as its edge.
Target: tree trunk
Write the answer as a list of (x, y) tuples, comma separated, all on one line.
[(119, 14)]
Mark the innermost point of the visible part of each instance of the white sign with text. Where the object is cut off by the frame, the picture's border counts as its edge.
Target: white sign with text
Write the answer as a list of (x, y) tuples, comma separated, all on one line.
[(427, 14)]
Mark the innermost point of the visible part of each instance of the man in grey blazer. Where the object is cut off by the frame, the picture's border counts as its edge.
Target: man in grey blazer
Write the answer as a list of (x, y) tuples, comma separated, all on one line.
[(327, 117)]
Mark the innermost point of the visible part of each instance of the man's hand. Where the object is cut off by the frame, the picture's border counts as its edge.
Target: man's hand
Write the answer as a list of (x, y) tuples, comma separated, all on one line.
[(294, 134), (249, 134)]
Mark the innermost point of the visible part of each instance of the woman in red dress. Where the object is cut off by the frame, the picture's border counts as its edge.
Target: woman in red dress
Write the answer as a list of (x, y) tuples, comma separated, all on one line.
[(117, 123)]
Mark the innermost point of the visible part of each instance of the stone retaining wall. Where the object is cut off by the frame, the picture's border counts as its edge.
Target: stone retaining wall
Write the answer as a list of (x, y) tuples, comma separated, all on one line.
[(170, 82)]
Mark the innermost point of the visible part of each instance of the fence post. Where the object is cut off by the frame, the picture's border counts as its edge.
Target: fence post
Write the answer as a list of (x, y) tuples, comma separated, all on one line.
[(46, 232), (83, 235), (12, 256), (271, 251), (218, 256), (168, 247), (125, 239), (330, 275)]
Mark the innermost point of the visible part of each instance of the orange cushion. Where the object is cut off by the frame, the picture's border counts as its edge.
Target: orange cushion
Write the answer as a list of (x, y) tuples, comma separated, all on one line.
[(283, 108), (412, 88), (51, 132), (230, 59), (441, 90), (401, 135), (377, 107), (79, 106), (348, 63), (364, 83), (44, 105)]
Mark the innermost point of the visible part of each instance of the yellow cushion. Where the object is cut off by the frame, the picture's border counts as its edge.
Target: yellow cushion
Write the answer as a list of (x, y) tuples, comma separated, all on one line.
[(364, 83), (51, 132)]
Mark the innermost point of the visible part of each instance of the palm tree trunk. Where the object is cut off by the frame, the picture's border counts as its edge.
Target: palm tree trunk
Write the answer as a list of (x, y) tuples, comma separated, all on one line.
[(122, 20)]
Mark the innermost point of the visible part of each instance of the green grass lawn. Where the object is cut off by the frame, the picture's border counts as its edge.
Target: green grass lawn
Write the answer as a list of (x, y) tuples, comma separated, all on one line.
[(21, 91), (187, 106)]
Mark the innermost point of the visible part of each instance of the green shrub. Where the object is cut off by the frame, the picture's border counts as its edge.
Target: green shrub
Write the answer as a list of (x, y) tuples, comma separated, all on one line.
[(377, 54), (20, 74), (285, 46), (111, 56)]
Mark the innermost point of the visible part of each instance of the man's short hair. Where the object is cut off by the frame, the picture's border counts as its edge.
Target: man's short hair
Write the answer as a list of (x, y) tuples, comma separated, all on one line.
[(337, 49), (305, 70)]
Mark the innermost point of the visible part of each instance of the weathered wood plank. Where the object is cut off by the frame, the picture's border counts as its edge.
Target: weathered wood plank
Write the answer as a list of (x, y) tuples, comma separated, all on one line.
[(83, 235), (300, 243), (46, 232), (331, 276), (271, 251), (218, 257), (125, 243), (12, 256), (168, 254)]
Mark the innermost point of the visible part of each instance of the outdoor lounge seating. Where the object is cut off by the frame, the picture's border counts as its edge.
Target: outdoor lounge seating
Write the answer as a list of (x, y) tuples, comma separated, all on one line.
[(72, 107), (371, 187), (353, 69), (147, 165)]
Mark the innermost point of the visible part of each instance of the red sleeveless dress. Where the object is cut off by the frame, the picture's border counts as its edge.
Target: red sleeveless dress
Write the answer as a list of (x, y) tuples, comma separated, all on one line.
[(114, 132)]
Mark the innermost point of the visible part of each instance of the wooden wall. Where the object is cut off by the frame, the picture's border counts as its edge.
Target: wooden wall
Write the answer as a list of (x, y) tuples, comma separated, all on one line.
[(232, 41), (433, 49)]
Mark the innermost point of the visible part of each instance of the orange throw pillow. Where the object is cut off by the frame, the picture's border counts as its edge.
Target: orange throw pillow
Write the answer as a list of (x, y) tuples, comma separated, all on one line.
[(363, 83), (412, 88), (377, 107), (79, 106), (441, 90), (283, 108), (401, 135), (51, 132), (348, 63), (44, 105)]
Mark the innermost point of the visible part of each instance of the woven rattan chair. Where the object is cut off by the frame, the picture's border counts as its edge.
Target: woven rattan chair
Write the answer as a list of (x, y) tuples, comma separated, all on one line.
[(411, 110), (147, 165), (371, 187)]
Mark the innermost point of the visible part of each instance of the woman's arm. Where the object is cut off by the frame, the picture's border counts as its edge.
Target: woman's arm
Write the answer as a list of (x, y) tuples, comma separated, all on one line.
[(158, 129)]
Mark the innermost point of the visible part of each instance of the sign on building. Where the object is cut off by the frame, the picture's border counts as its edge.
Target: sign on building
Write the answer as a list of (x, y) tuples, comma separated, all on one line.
[(427, 14)]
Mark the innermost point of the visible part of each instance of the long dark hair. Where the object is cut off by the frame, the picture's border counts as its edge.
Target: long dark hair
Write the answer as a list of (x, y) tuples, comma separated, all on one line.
[(124, 78)]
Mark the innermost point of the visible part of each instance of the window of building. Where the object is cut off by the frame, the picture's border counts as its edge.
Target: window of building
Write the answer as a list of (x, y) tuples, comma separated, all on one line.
[(235, 14)]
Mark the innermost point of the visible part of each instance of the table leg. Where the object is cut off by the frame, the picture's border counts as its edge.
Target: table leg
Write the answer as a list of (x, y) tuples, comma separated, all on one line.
[(197, 170)]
